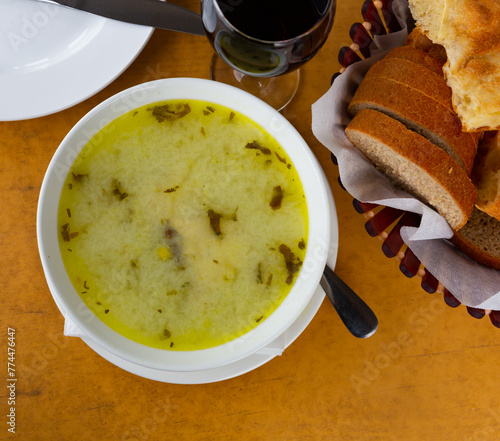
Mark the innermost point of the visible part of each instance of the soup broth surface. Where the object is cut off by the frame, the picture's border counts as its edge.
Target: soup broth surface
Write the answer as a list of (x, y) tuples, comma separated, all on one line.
[(182, 225)]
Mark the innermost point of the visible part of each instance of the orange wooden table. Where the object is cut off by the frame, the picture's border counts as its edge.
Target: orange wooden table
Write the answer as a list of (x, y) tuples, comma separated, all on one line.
[(429, 373)]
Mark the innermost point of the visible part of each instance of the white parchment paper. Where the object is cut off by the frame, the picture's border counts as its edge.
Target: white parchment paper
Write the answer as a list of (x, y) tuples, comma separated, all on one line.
[(472, 284)]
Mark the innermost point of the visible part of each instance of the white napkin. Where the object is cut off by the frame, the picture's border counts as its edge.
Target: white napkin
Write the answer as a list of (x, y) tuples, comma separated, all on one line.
[(471, 283), (276, 347)]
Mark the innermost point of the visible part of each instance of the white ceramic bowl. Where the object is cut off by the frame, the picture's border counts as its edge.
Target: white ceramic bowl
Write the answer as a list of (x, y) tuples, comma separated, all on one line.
[(319, 210)]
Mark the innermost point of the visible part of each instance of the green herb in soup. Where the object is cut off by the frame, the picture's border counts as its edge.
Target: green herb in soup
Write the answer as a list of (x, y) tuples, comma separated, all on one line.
[(183, 225)]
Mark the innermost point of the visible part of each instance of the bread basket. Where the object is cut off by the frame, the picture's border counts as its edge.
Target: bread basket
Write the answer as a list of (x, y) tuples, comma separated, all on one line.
[(386, 222)]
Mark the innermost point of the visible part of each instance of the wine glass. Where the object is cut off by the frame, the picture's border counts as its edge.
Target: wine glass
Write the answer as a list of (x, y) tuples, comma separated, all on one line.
[(260, 44)]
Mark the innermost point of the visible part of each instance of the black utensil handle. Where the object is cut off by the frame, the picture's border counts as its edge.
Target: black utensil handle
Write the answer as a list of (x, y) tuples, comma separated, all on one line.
[(154, 13), (352, 310)]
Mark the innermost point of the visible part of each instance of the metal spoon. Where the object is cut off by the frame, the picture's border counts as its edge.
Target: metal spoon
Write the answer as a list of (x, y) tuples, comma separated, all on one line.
[(357, 316)]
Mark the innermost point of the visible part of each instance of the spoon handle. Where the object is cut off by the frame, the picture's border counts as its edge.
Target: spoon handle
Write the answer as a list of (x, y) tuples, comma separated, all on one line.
[(357, 316)]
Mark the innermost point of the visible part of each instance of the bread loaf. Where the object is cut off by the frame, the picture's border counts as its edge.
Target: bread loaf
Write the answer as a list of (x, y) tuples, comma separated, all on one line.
[(486, 175), (480, 239), (420, 113), (414, 163), (469, 31)]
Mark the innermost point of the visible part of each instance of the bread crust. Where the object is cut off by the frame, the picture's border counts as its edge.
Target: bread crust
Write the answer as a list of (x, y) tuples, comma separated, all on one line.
[(492, 209), (434, 164), (413, 75), (417, 56), (420, 113)]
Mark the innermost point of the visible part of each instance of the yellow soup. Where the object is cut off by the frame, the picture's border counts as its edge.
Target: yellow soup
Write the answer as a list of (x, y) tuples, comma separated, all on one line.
[(183, 225)]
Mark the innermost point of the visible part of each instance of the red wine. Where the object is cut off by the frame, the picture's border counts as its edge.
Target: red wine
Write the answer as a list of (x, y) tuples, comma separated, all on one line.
[(273, 20), (267, 38)]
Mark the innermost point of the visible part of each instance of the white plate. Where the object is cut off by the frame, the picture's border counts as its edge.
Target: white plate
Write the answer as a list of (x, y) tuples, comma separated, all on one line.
[(52, 57)]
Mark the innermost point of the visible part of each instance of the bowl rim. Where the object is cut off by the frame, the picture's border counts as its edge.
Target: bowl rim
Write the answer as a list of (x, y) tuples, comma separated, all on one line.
[(315, 187)]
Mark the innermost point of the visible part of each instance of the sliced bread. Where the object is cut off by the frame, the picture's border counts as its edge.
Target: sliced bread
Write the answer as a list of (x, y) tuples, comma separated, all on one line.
[(486, 175), (420, 113), (417, 56), (416, 76), (479, 238), (414, 163)]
